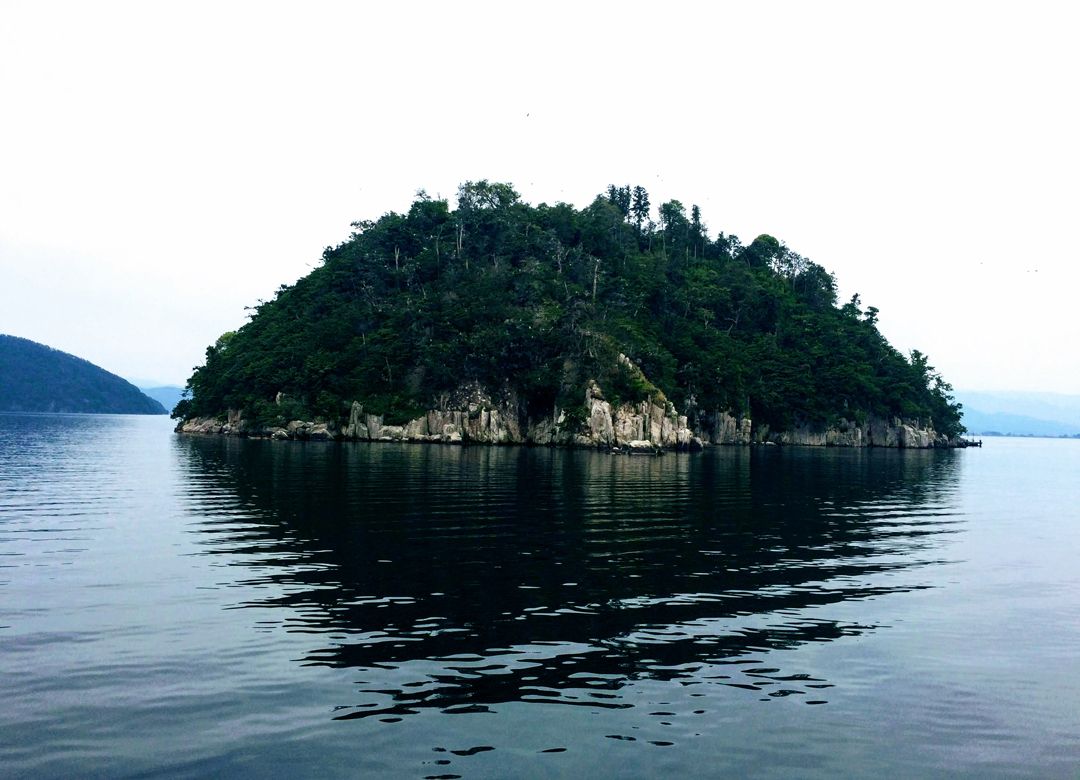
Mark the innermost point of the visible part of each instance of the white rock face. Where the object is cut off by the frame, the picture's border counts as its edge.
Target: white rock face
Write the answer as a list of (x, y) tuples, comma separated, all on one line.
[(658, 424), (473, 415), (882, 433), (845, 434), (876, 432), (728, 429), (202, 425), (916, 438)]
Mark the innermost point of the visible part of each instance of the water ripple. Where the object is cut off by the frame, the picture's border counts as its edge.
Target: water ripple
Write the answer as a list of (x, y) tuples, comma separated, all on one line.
[(264, 607)]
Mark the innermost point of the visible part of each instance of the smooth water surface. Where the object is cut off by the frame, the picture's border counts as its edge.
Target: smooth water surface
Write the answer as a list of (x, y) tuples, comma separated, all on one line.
[(190, 606)]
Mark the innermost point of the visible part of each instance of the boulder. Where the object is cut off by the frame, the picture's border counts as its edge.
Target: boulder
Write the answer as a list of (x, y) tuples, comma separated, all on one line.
[(201, 425), (391, 433), (319, 432)]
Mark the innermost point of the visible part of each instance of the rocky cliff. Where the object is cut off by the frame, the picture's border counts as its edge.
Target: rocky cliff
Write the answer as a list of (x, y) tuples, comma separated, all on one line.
[(472, 415)]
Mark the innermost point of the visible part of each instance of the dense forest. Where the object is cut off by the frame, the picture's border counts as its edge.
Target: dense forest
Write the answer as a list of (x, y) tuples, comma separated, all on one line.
[(37, 378), (544, 298)]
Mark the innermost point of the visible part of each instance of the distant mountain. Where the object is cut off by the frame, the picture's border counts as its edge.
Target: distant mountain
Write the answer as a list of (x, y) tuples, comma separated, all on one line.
[(1020, 413), (981, 423), (37, 378), (166, 395)]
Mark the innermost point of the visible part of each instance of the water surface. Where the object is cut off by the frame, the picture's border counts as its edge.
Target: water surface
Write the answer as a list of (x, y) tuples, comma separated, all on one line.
[(186, 606)]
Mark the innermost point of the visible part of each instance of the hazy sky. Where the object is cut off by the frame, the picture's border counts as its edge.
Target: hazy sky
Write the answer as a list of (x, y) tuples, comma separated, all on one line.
[(164, 165)]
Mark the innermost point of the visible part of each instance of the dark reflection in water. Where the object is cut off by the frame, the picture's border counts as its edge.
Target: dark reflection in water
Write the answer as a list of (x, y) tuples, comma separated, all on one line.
[(459, 579)]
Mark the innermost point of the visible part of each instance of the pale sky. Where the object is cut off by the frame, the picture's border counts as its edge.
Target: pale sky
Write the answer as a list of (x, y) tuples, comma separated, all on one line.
[(162, 166)]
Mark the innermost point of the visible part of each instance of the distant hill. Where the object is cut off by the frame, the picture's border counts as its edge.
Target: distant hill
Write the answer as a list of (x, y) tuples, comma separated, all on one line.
[(37, 378), (1020, 413), (166, 395), (981, 423)]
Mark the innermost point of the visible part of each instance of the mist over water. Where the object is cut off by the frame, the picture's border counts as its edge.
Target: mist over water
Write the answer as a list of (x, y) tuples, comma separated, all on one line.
[(187, 606)]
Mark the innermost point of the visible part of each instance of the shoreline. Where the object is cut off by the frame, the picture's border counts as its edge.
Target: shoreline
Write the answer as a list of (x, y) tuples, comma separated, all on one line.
[(899, 436)]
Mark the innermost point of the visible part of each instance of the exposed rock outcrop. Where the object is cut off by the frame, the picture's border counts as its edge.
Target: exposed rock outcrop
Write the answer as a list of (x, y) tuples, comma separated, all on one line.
[(640, 427), (472, 415), (656, 423), (724, 428), (876, 432)]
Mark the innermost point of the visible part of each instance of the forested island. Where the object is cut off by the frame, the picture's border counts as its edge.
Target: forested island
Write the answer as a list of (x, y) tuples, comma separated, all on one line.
[(502, 322), (37, 378)]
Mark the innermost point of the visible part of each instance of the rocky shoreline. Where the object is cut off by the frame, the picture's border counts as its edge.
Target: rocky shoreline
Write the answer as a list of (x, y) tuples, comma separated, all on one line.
[(472, 416)]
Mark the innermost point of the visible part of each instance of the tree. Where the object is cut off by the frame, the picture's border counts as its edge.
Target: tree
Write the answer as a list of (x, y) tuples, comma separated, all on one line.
[(639, 206), (815, 287), (620, 198), (479, 195), (762, 252), (672, 216), (485, 210), (697, 229)]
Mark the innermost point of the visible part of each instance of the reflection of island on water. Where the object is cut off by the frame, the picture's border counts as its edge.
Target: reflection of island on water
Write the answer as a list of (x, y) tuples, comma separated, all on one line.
[(464, 577)]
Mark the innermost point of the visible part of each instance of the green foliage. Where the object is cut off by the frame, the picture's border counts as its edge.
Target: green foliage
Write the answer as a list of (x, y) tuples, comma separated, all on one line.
[(539, 299), (37, 378), (624, 384), (574, 418)]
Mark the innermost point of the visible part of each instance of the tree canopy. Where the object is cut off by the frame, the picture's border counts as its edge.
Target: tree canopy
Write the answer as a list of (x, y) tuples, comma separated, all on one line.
[(540, 299)]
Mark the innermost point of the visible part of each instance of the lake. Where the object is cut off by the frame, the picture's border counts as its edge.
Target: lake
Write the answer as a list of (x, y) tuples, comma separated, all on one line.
[(177, 606)]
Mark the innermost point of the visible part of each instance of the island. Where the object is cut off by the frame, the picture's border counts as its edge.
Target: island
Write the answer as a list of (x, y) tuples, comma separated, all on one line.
[(501, 322), (37, 378)]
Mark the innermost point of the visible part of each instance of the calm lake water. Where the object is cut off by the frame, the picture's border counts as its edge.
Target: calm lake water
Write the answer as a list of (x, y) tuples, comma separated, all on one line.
[(192, 606)]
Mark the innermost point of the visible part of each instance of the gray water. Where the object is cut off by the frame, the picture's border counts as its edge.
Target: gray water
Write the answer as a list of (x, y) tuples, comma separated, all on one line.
[(193, 606)]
